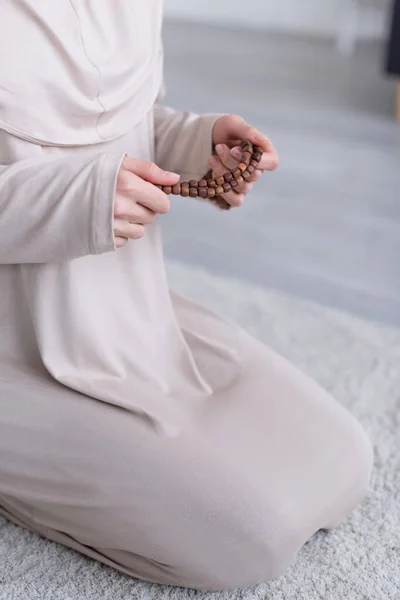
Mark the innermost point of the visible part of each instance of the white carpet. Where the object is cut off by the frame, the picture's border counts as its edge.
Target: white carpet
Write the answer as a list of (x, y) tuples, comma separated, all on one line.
[(359, 362)]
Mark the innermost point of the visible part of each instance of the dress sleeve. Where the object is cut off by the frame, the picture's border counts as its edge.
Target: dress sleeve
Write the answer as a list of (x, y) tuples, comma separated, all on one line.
[(183, 139), (57, 209)]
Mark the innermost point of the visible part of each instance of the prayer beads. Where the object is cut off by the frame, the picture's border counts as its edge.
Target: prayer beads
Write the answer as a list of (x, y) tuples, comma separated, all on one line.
[(211, 188)]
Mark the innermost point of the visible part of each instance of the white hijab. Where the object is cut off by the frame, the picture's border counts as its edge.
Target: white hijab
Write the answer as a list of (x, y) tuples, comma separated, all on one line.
[(77, 72)]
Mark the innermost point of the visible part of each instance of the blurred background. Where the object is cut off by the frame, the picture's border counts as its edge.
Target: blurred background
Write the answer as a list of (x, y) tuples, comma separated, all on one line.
[(319, 78)]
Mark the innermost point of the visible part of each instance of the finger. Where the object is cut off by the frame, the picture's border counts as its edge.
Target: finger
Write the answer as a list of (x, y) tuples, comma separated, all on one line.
[(152, 198), (244, 189), (142, 215), (269, 161), (133, 190), (229, 158), (238, 129), (120, 241), (255, 176), (132, 231), (233, 198), (149, 171)]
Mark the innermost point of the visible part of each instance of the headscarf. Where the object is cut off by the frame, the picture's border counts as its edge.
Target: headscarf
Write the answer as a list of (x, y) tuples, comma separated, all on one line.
[(77, 72)]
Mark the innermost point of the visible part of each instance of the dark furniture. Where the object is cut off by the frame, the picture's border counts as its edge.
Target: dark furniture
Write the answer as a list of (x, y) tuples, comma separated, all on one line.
[(393, 52)]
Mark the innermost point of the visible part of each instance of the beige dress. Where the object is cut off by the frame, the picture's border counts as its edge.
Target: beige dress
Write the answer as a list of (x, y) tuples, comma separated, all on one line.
[(135, 425)]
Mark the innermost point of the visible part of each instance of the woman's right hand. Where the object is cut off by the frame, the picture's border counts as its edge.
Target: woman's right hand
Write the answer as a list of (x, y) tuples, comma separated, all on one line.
[(137, 200)]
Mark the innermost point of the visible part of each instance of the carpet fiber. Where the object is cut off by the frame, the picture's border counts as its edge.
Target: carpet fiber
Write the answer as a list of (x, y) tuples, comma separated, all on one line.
[(358, 362)]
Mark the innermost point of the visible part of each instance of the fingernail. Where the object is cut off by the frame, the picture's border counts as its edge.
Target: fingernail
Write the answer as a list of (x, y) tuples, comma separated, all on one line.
[(261, 138), (170, 174), (219, 148), (237, 153), (214, 162)]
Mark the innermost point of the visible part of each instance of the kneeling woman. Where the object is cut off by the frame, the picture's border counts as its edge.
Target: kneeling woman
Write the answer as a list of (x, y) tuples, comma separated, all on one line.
[(135, 425)]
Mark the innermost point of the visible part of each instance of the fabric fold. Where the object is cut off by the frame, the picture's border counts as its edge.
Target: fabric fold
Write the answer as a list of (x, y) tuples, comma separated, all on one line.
[(56, 209), (92, 70)]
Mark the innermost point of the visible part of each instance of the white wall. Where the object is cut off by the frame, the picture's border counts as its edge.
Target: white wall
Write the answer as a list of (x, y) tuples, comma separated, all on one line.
[(319, 17)]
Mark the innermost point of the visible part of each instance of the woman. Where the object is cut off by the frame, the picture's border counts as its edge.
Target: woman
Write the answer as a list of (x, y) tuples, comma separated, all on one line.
[(135, 425)]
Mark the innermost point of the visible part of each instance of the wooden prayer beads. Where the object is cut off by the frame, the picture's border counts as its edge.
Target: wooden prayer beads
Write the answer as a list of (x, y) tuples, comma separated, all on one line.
[(212, 188)]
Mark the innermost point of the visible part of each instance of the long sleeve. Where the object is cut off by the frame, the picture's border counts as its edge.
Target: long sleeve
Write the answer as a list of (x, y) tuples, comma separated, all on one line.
[(57, 209), (183, 141)]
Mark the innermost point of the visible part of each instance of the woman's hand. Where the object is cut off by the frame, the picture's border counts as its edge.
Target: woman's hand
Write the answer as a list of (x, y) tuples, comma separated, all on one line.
[(227, 132), (137, 201)]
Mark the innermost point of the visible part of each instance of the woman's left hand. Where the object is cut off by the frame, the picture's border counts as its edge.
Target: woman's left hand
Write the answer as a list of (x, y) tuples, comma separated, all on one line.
[(227, 133)]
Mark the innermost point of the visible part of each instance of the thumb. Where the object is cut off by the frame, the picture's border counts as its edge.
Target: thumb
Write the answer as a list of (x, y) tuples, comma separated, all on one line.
[(150, 172)]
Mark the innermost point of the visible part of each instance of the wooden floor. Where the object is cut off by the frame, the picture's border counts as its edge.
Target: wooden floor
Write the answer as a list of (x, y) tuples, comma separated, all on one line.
[(326, 225)]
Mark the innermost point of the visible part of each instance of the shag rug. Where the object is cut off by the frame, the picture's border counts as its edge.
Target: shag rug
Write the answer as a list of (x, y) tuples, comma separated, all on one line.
[(357, 361)]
